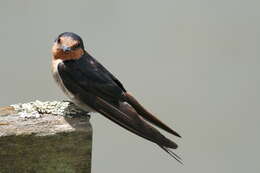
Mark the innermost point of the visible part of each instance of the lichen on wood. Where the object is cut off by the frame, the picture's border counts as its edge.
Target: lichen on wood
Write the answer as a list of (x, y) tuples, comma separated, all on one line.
[(45, 137)]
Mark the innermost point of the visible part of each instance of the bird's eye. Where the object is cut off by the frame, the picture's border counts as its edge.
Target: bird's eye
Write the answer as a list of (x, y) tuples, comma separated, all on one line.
[(76, 46), (58, 40)]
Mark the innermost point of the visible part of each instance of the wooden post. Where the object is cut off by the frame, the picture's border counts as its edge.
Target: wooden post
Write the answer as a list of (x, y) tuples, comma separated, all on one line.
[(45, 137)]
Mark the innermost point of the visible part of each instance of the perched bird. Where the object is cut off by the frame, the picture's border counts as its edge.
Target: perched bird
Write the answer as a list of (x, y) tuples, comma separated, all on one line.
[(94, 89)]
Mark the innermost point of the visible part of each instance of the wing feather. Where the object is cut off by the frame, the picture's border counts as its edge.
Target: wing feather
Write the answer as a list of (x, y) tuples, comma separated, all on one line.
[(98, 90)]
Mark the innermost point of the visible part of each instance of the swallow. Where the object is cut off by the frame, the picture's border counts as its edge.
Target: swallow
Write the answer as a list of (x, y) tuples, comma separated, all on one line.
[(93, 88)]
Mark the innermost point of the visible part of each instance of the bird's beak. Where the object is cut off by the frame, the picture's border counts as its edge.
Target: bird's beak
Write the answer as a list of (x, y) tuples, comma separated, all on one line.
[(65, 48)]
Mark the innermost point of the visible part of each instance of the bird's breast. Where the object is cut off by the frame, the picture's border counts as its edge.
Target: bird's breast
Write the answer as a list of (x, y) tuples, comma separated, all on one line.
[(71, 96)]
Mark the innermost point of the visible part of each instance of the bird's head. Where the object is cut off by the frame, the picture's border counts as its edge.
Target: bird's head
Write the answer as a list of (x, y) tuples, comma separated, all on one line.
[(68, 46)]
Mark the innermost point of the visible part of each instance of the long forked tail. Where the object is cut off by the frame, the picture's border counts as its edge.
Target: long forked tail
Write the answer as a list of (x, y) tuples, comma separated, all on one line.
[(147, 115), (128, 118), (174, 155)]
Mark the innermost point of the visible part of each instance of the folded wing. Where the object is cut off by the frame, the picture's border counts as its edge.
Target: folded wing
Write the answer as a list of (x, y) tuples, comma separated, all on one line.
[(94, 87)]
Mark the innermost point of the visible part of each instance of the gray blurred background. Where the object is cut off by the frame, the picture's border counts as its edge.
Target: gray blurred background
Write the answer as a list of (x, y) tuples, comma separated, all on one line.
[(195, 64)]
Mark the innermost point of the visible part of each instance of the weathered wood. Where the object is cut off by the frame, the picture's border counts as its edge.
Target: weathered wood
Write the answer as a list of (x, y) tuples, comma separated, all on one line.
[(45, 137)]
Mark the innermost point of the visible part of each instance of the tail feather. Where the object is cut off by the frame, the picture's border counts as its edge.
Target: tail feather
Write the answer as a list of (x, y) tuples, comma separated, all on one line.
[(147, 115), (174, 155), (126, 117)]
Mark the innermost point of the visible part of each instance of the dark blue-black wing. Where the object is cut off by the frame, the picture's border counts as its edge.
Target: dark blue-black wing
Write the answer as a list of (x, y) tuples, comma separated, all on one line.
[(93, 77), (96, 79), (96, 87)]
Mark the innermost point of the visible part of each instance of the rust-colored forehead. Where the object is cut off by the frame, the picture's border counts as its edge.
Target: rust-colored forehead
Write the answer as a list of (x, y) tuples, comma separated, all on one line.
[(58, 53), (68, 41)]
